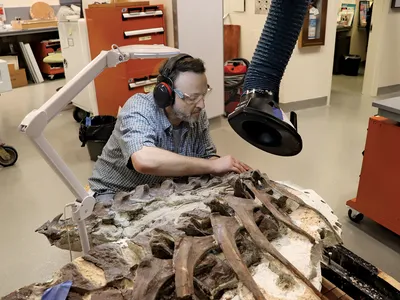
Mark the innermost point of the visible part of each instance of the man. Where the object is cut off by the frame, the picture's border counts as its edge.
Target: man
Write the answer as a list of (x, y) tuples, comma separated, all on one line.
[(162, 134)]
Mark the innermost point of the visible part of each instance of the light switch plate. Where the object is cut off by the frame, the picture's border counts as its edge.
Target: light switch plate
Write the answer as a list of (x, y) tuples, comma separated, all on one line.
[(237, 5), (261, 7)]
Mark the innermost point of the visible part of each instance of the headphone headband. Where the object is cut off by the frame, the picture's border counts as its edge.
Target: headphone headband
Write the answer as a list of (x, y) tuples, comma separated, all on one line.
[(171, 63)]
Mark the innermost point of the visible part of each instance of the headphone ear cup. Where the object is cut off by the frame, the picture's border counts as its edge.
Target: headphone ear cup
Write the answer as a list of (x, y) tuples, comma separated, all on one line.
[(163, 95)]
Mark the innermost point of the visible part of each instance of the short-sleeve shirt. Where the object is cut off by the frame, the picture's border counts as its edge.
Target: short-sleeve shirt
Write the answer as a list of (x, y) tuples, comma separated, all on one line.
[(142, 123)]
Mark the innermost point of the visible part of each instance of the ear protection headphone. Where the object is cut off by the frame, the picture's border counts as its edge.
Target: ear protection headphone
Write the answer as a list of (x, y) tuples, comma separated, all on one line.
[(163, 92)]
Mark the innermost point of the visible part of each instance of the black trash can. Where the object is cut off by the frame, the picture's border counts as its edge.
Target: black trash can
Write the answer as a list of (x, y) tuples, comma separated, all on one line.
[(351, 64), (95, 132)]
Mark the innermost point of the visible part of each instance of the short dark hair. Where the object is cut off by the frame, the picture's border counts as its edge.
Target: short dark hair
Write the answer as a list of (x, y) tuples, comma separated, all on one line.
[(187, 64)]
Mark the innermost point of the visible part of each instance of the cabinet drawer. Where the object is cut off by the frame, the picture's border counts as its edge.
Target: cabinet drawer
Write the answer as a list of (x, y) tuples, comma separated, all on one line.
[(145, 83), (136, 68), (148, 36), (136, 18)]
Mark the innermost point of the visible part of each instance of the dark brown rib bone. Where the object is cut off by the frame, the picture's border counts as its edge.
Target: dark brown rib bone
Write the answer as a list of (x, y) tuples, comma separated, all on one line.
[(276, 188), (186, 256), (225, 230), (244, 211), (266, 200), (152, 274)]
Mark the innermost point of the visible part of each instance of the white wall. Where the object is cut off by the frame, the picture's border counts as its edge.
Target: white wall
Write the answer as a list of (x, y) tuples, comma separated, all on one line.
[(389, 73), (309, 72), (383, 61), (358, 41), (22, 3), (250, 27), (205, 40)]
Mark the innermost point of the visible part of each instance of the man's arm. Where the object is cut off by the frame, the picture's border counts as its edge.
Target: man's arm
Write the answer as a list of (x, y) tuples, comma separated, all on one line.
[(160, 162)]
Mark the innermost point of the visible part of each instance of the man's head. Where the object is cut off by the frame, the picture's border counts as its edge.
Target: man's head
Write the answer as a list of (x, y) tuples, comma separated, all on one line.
[(183, 80)]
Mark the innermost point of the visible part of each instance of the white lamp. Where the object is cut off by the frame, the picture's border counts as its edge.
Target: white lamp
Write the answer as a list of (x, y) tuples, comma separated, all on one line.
[(36, 121)]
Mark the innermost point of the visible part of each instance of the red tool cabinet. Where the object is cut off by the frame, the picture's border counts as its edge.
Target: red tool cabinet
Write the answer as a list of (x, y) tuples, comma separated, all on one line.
[(124, 26)]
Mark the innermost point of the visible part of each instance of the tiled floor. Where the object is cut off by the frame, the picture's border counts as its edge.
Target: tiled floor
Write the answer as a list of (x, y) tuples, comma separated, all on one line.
[(30, 193)]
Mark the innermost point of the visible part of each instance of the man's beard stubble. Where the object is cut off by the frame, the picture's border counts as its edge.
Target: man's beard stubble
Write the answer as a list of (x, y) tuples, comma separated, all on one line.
[(190, 118)]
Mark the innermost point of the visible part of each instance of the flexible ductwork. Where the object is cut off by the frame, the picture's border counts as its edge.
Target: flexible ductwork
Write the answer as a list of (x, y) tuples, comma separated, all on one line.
[(258, 118)]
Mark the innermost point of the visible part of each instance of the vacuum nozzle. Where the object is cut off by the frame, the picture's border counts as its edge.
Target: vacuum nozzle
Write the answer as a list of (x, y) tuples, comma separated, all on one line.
[(259, 121)]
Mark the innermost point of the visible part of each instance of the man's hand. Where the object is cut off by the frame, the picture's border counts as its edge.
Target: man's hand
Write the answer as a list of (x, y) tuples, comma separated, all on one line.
[(160, 162), (228, 164)]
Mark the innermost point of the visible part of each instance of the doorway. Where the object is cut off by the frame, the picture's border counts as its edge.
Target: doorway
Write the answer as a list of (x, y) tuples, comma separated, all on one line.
[(353, 26)]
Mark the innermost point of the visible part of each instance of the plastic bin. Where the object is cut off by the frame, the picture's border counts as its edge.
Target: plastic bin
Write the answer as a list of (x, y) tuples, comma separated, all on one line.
[(95, 148), (95, 132), (351, 64)]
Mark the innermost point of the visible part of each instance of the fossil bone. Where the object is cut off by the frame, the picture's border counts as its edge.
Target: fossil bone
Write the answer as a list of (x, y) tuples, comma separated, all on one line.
[(151, 274), (244, 210), (276, 188), (225, 230), (187, 254), (140, 243), (266, 200)]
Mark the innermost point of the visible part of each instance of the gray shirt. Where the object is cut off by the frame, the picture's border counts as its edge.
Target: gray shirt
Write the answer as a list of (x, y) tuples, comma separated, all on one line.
[(142, 123)]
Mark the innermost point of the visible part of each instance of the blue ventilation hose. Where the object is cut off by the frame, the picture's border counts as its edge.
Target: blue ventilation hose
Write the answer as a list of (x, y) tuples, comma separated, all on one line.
[(276, 44), (258, 118)]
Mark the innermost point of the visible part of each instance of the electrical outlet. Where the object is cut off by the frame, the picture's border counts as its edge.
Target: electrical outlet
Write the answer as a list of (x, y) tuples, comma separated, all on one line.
[(261, 7)]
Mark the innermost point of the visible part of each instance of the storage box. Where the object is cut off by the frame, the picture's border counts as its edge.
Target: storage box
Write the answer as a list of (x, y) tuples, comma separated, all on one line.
[(18, 77), (31, 24)]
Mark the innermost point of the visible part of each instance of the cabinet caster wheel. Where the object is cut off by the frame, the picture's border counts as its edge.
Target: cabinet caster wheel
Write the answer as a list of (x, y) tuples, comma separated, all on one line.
[(8, 156), (356, 218)]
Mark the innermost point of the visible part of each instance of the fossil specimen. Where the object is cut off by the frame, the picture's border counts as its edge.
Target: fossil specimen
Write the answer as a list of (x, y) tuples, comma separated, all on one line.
[(232, 237)]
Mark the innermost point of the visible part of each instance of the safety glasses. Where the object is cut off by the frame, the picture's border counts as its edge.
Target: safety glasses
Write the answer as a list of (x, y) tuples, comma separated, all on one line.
[(193, 98)]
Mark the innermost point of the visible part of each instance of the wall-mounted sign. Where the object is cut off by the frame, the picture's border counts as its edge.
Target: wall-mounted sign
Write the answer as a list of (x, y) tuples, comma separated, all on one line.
[(395, 3)]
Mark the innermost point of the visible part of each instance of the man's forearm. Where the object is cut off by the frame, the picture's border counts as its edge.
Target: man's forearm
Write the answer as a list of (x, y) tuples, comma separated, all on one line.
[(160, 162)]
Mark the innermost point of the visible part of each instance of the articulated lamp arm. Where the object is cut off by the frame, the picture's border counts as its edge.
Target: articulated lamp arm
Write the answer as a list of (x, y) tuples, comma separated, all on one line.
[(36, 121)]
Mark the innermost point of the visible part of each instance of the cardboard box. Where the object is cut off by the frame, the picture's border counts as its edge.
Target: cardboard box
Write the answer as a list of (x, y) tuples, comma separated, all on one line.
[(11, 59), (18, 77)]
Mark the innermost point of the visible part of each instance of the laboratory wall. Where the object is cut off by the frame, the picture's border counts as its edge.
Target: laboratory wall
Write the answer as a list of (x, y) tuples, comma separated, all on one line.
[(358, 42), (309, 73), (23, 3), (169, 19), (389, 45)]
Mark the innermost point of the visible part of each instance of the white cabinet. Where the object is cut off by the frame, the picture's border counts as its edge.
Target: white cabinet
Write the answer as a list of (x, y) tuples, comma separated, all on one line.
[(199, 31), (75, 49)]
